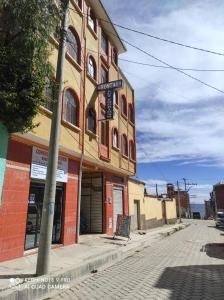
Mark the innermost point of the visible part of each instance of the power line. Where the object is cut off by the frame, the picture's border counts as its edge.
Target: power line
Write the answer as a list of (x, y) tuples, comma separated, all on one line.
[(178, 70), (156, 37)]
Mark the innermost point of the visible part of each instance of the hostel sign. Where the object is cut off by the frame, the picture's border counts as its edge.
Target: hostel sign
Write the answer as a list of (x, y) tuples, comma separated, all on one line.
[(109, 89), (39, 165)]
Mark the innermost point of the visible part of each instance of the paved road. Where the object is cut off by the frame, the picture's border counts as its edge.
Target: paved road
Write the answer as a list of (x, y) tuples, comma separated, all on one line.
[(187, 265)]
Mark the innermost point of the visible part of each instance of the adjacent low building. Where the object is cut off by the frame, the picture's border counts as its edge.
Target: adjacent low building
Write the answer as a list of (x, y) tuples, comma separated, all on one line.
[(148, 211)]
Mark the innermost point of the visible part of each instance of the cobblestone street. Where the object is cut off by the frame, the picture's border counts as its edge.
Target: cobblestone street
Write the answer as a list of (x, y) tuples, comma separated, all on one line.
[(187, 265)]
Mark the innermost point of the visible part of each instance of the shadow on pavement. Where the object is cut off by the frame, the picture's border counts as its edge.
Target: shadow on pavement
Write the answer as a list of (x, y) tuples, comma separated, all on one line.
[(193, 282), (214, 250)]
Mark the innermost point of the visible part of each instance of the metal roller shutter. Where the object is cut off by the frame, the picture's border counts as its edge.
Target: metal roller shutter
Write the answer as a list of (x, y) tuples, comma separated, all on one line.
[(92, 204), (118, 204)]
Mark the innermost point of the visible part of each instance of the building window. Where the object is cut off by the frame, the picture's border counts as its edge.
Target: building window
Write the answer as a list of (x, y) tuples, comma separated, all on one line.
[(48, 104), (124, 143), (104, 43), (92, 21), (79, 3), (116, 97), (123, 105), (115, 138), (104, 131), (92, 120), (71, 107), (132, 150), (104, 75), (73, 45), (92, 67), (115, 56), (131, 113)]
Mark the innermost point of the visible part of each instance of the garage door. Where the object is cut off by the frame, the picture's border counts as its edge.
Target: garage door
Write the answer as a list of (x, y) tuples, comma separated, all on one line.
[(118, 204), (91, 219)]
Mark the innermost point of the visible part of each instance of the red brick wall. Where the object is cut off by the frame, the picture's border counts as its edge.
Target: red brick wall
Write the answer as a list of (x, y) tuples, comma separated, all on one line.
[(71, 205), (13, 212), (219, 196)]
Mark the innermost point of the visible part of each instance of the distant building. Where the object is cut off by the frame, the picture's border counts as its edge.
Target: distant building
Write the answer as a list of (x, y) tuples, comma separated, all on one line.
[(209, 208), (217, 196)]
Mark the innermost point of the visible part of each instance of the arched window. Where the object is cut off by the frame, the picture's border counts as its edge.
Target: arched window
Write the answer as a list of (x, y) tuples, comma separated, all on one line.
[(92, 67), (116, 97), (124, 143), (91, 120), (131, 113), (123, 105), (92, 21), (73, 45), (115, 138), (79, 3), (132, 150), (115, 56), (71, 107), (49, 95)]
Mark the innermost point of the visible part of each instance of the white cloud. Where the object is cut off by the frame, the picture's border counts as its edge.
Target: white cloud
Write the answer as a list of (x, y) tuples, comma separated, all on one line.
[(178, 118)]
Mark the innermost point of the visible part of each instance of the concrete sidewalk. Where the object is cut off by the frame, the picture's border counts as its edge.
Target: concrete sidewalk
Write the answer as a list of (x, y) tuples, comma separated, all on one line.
[(17, 277)]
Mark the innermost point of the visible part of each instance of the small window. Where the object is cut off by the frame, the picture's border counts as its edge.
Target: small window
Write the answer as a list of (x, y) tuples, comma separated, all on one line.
[(92, 67), (115, 138), (132, 150), (92, 120), (124, 142), (70, 108), (104, 43), (92, 21), (123, 105), (116, 97), (104, 75), (131, 113), (49, 96), (115, 56), (79, 3), (104, 131), (73, 45)]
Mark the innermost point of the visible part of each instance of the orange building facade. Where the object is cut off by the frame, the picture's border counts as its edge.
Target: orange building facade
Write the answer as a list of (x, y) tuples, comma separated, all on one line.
[(103, 151)]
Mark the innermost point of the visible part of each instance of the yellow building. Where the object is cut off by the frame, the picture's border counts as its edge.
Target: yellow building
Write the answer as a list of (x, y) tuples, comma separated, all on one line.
[(105, 151), (148, 211)]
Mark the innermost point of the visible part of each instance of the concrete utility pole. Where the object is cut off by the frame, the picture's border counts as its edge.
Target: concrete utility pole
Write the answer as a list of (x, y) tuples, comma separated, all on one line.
[(178, 199), (43, 259), (187, 190)]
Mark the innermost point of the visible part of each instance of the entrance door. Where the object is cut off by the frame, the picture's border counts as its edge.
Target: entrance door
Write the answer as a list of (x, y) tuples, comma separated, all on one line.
[(136, 215), (91, 213), (118, 204), (34, 215)]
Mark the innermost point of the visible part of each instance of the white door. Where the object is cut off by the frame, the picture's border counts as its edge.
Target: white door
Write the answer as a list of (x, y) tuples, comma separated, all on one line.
[(118, 204)]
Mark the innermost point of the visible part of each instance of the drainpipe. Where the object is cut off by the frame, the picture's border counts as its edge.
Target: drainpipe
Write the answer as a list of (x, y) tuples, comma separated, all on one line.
[(83, 136)]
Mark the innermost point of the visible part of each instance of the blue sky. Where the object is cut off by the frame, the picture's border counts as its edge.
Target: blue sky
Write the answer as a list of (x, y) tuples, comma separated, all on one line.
[(180, 122)]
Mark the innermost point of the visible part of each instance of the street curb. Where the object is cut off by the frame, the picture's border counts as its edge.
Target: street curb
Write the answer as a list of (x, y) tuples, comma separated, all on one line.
[(41, 287)]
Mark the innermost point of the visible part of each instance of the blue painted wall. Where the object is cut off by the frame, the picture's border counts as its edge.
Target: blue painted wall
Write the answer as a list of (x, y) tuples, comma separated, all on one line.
[(3, 153)]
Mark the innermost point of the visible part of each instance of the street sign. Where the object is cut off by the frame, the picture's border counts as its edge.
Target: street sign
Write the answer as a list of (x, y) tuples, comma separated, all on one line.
[(117, 84), (109, 109)]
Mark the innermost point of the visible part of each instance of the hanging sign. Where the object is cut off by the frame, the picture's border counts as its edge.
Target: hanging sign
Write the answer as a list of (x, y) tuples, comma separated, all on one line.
[(109, 108), (117, 84), (39, 165)]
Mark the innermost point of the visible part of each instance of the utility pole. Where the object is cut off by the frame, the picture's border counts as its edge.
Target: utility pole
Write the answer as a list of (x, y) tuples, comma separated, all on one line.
[(187, 190), (178, 199), (43, 259)]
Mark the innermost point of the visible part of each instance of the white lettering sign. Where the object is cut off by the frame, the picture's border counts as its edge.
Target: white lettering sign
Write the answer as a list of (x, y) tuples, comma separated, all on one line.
[(39, 165)]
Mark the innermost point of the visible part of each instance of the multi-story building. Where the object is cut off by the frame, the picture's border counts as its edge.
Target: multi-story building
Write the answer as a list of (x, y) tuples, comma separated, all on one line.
[(217, 196), (103, 150)]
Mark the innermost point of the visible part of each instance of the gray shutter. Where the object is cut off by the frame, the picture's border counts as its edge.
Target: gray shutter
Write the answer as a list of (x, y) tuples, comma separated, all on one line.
[(118, 204)]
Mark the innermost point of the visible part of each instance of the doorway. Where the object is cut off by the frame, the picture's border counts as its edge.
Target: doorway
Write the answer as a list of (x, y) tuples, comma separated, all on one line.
[(91, 211), (34, 214), (136, 215), (118, 203)]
